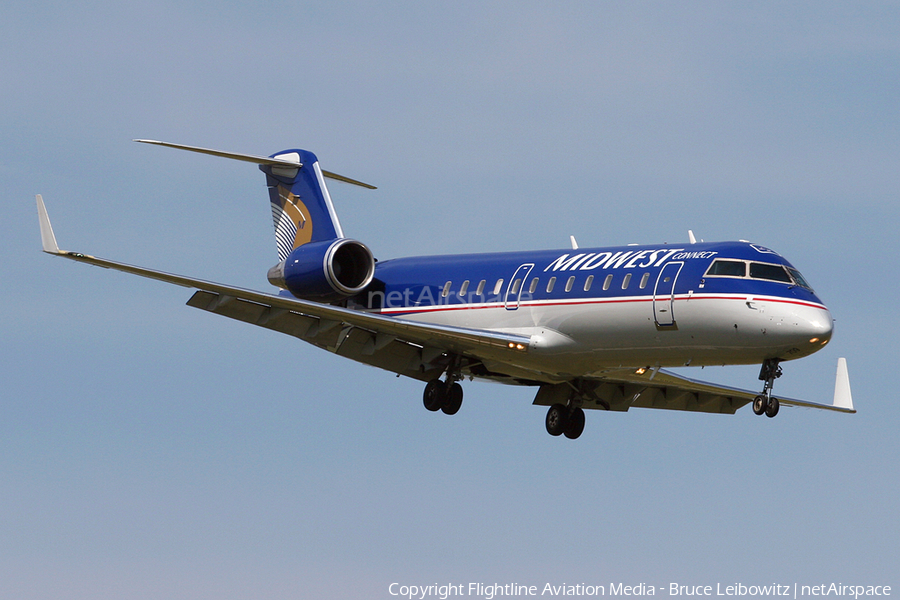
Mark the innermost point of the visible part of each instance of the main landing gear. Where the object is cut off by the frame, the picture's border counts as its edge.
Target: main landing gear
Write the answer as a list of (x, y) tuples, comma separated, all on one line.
[(446, 396), (766, 402), (567, 420)]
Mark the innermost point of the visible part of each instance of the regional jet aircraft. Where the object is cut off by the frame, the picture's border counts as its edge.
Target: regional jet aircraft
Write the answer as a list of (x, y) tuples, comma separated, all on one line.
[(588, 328)]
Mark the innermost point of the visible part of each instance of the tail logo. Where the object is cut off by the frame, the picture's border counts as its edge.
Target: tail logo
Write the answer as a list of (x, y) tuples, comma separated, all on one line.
[(293, 225)]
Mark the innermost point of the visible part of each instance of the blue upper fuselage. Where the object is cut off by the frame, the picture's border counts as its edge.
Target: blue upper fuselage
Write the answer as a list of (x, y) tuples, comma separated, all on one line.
[(407, 285)]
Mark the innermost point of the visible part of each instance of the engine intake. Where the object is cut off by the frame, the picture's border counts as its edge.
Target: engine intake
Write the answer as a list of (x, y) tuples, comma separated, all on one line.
[(325, 271)]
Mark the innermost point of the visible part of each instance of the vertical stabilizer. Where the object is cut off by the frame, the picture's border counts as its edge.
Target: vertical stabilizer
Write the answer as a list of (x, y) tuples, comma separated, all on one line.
[(302, 210)]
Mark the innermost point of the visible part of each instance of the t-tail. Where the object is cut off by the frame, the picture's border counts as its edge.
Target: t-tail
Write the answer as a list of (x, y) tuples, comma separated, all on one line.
[(315, 260)]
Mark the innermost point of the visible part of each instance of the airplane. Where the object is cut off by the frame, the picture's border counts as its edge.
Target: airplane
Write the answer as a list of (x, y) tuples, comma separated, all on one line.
[(589, 328)]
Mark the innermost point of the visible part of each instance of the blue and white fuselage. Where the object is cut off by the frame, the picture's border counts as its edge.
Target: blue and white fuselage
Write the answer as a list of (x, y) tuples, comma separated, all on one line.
[(591, 309)]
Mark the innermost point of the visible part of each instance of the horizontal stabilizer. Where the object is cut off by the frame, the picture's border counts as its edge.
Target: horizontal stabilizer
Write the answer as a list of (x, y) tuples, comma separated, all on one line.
[(259, 160), (285, 160)]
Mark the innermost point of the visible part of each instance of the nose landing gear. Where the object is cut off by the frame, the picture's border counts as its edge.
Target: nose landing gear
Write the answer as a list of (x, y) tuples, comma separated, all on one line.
[(765, 403)]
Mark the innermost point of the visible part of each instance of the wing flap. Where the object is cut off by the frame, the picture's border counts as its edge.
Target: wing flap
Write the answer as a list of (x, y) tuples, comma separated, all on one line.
[(620, 393), (310, 329), (369, 347), (395, 356), (646, 388)]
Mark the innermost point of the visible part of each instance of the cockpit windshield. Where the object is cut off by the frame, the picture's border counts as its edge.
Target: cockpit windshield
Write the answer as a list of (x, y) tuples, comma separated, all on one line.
[(770, 272), (756, 270), (799, 279), (728, 268)]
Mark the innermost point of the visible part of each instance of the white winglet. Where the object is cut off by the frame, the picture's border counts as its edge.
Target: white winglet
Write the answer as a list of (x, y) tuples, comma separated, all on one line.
[(48, 240), (574, 243), (691, 237), (842, 397)]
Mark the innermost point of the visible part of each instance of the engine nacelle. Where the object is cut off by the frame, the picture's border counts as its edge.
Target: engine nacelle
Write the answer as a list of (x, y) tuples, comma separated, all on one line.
[(325, 271)]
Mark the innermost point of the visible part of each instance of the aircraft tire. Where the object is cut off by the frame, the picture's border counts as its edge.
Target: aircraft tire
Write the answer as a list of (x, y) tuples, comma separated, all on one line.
[(759, 404), (453, 397), (575, 424), (557, 416), (433, 397), (772, 407)]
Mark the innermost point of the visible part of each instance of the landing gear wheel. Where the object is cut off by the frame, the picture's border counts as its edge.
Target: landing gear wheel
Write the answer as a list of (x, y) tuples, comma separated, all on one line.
[(556, 420), (772, 407), (433, 398), (575, 424), (760, 403), (453, 397)]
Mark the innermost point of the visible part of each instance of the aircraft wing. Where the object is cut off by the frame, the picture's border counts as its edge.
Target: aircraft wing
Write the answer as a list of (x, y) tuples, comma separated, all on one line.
[(622, 389), (402, 346)]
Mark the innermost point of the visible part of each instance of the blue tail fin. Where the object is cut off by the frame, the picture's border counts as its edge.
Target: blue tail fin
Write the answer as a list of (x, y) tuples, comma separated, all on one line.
[(301, 206)]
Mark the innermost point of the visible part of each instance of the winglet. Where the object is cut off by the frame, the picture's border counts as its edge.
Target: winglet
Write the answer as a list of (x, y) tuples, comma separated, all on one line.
[(842, 397), (48, 240)]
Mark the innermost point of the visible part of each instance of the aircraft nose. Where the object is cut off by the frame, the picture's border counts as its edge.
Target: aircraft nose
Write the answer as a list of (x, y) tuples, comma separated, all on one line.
[(815, 325)]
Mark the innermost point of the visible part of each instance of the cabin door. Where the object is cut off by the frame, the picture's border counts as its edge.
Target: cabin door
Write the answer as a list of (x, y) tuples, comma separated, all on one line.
[(664, 295), (516, 284)]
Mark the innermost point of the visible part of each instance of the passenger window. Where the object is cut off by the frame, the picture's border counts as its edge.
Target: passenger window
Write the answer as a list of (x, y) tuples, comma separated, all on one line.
[(446, 291), (770, 272), (464, 288), (517, 285), (497, 287), (728, 268), (534, 284), (626, 281), (570, 283), (550, 284), (607, 282), (644, 280), (588, 283), (480, 290)]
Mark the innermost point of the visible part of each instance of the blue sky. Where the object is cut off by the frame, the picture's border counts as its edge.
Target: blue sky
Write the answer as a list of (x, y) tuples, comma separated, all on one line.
[(149, 450)]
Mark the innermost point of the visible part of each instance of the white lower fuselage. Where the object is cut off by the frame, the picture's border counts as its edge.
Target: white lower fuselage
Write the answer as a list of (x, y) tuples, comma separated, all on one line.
[(582, 339)]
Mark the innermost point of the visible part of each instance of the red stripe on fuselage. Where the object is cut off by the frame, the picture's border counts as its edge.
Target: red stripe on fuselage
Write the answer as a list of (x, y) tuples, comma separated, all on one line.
[(582, 302)]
